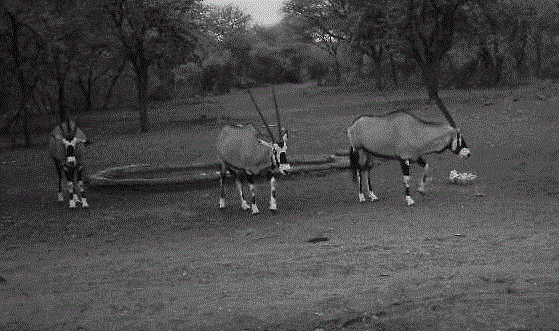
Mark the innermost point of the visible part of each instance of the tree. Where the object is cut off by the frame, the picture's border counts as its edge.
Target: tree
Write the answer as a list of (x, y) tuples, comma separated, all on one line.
[(228, 46), (89, 67), (64, 37), (326, 22), (148, 33), (370, 35), (22, 51), (224, 21)]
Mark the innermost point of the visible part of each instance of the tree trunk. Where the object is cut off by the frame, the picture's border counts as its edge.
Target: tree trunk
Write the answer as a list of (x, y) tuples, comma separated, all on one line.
[(379, 74), (25, 96), (26, 133), (61, 109), (337, 71), (142, 85), (430, 73), (538, 42), (109, 91), (393, 67)]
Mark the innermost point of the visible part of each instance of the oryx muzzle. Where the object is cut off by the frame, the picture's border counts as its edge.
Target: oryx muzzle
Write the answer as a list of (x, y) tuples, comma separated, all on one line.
[(242, 153), (400, 136)]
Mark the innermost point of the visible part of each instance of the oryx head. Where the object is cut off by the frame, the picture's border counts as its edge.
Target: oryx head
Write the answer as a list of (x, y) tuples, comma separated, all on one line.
[(69, 140), (278, 146), (458, 145)]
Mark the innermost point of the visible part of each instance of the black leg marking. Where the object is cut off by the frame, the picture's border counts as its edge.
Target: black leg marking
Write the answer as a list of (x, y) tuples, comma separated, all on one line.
[(223, 174), (405, 165)]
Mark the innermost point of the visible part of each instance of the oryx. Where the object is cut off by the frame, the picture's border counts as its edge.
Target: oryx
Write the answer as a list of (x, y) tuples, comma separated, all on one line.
[(66, 148), (400, 136), (243, 154)]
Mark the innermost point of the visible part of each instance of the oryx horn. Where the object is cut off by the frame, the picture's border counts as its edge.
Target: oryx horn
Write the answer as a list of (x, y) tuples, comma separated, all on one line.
[(262, 117), (277, 112)]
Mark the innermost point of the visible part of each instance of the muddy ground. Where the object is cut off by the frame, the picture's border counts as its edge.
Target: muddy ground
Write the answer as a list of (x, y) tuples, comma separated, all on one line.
[(477, 257)]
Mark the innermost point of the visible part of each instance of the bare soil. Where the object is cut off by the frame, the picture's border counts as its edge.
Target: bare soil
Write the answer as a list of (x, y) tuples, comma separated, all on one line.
[(478, 257)]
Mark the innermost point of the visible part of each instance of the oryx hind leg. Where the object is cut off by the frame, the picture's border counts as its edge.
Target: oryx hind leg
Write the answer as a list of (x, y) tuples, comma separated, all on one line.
[(424, 179), (369, 162), (223, 175), (360, 178), (361, 170), (60, 184), (372, 196), (244, 204), (405, 165), (252, 190)]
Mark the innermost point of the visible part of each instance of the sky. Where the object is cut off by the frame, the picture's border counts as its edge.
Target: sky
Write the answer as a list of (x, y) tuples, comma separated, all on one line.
[(263, 12)]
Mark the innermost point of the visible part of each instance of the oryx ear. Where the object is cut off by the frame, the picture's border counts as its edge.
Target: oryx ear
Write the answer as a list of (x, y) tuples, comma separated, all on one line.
[(265, 143)]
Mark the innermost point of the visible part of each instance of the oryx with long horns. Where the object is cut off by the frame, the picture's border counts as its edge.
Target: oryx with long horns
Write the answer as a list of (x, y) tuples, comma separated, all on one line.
[(243, 154), (400, 136), (66, 148)]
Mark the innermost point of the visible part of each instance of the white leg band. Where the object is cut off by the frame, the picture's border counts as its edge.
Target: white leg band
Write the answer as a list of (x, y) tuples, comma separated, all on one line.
[(361, 197)]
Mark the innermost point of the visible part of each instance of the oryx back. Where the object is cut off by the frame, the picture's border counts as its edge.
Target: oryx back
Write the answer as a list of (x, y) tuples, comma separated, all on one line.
[(239, 147), (399, 135)]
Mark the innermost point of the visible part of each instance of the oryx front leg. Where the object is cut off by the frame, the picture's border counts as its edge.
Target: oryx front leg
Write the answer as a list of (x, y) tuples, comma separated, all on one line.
[(73, 194), (244, 204), (252, 190), (81, 190), (405, 164), (423, 178), (273, 205)]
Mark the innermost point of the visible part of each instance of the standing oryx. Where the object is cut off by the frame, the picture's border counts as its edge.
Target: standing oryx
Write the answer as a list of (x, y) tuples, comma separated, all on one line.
[(244, 155), (66, 147), (401, 136)]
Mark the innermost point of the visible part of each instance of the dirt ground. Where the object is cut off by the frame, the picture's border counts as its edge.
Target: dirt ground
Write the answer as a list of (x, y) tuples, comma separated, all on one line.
[(477, 257)]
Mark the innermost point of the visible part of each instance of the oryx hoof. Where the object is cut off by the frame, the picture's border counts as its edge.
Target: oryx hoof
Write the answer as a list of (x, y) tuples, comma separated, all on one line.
[(84, 203), (72, 204), (221, 203), (362, 197), (273, 205), (409, 201), (255, 210), (421, 191), (244, 205), (60, 197)]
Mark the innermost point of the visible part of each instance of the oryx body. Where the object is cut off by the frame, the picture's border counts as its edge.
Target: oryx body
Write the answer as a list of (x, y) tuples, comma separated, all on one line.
[(66, 148), (243, 154), (400, 136)]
